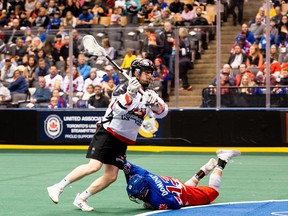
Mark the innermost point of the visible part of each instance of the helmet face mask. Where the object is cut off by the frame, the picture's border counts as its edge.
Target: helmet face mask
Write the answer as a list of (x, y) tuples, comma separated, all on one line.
[(140, 65), (137, 189)]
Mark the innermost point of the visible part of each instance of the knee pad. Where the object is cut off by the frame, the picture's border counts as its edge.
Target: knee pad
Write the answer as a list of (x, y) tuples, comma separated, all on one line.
[(215, 181)]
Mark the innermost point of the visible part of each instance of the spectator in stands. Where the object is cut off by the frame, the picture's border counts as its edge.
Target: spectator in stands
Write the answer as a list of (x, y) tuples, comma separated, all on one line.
[(257, 28), (283, 78), (53, 79), (41, 54), (274, 29), (34, 13), (151, 45), (162, 75), (85, 19), (18, 50), (243, 70), (188, 14), (128, 58), (5, 95), (275, 68), (88, 92), (263, 42), (77, 82), (225, 80), (168, 54), (69, 20), (154, 14), (255, 58), (176, 6), (184, 58), (237, 58), (23, 20), (58, 42), (248, 34), (246, 85), (109, 50), (53, 104), (83, 68), (98, 100), (110, 73), (240, 6), (42, 20), (41, 95), (132, 8), (278, 17), (10, 36), (7, 72), (201, 21), (165, 16), (274, 51), (116, 17), (61, 101), (77, 40), (93, 79), (42, 69), (64, 51), (52, 8), (56, 20), (18, 84), (35, 46), (108, 88), (161, 3), (29, 72), (30, 5), (99, 9), (72, 6)]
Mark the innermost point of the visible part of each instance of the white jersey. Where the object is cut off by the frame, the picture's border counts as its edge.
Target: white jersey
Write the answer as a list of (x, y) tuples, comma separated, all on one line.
[(50, 82), (127, 116)]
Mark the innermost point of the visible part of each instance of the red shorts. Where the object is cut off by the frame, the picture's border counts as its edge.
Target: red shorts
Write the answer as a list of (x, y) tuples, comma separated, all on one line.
[(199, 195)]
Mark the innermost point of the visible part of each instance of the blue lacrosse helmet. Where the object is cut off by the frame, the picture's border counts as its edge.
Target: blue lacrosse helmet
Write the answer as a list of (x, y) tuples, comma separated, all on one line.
[(137, 188)]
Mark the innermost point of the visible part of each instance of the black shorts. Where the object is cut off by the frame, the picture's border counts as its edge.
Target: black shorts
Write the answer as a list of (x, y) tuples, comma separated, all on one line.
[(107, 148)]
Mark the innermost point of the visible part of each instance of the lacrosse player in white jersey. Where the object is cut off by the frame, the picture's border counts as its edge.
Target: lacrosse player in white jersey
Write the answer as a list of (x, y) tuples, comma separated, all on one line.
[(119, 127)]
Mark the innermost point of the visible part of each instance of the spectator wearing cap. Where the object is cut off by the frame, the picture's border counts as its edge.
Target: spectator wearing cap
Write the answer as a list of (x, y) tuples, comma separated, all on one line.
[(7, 72), (110, 74), (98, 100), (257, 28), (237, 57), (7, 56), (85, 19), (226, 77), (56, 20), (248, 34), (42, 20), (83, 68)]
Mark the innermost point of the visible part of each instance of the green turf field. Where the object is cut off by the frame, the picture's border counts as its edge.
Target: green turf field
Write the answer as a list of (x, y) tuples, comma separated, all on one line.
[(25, 174)]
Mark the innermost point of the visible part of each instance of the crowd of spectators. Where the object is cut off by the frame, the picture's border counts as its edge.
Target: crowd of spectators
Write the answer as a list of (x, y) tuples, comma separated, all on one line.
[(34, 47), (245, 71)]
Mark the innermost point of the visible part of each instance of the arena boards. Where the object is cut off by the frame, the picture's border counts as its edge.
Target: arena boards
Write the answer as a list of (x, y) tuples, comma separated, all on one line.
[(255, 208)]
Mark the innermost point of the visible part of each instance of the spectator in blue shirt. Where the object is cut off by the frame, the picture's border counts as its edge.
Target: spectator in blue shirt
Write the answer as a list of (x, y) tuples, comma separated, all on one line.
[(41, 95), (83, 68), (85, 19), (18, 85), (110, 74), (56, 20)]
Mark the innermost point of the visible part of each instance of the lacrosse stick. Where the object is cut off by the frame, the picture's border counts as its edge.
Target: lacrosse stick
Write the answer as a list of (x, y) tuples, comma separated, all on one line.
[(93, 48)]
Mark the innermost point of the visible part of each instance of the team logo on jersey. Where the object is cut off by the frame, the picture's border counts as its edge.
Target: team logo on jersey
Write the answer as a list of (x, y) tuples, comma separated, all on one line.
[(53, 126), (149, 127)]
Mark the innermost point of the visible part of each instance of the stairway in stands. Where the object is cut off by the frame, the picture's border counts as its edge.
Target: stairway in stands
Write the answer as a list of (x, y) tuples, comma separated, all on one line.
[(205, 68)]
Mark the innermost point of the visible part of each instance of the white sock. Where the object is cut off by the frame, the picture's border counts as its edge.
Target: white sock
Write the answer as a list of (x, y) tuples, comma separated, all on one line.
[(190, 182), (63, 183), (215, 181), (85, 195)]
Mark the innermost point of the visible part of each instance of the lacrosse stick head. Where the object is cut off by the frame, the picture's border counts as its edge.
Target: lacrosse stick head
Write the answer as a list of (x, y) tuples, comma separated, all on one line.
[(92, 47)]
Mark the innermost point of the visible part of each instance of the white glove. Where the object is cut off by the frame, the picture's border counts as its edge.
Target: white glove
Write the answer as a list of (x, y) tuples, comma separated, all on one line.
[(133, 87), (152, 98)]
